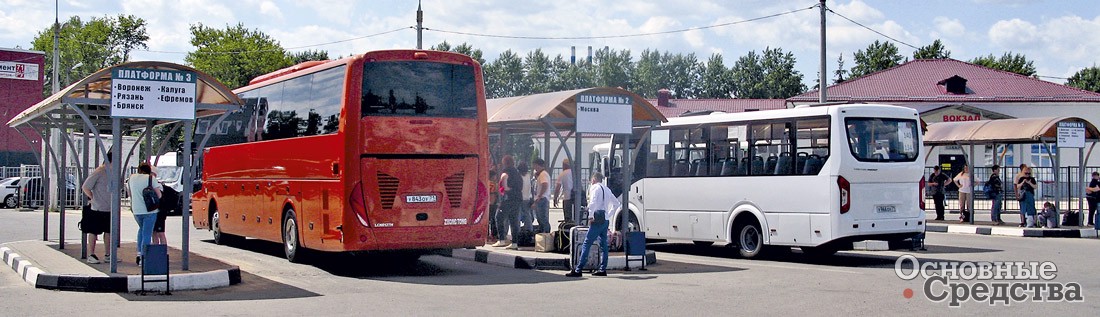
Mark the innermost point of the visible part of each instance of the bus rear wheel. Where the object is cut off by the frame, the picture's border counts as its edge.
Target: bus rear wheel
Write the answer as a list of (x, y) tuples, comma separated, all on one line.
[(292, 246), (750, 242), (220, 237)]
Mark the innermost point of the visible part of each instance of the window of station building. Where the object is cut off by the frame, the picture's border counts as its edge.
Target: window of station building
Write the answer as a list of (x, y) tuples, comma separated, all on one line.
[(811, 145), (1040, 155), (771, 149)]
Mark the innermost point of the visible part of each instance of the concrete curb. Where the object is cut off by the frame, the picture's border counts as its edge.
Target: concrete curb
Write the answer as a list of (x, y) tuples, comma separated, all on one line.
[(1014, 231), (114, 284), (536, 263)]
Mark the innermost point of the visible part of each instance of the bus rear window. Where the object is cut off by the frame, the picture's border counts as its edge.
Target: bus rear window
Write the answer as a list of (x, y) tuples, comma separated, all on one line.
[(883, 140), (419, 89)]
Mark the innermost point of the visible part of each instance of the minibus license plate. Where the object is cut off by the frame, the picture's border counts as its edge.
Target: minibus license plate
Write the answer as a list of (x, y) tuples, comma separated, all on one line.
[(421, 198), (886, 208)]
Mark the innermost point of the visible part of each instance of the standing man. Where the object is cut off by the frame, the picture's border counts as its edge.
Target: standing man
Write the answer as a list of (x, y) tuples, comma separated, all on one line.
[(601, 204), (541, 203), (1093, 197), (996, 193), (564, 188), (937, 181), (98, 218)]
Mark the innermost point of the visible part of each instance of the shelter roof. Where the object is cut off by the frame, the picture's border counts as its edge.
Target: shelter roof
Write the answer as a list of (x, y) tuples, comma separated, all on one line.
[(531, 113), (1007, 131), (93, 93)]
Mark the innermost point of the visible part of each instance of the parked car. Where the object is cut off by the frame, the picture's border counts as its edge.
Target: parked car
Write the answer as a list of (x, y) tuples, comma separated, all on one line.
[(9, 190), (30, 193)]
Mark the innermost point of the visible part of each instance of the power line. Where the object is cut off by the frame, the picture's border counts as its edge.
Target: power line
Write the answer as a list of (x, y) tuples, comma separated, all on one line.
[(870, 29), (260, 51), (622, 35)]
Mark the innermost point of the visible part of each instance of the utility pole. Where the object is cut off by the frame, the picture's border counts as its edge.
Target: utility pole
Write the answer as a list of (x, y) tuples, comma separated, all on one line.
[(56, 52), (420, 27), (821, 84)]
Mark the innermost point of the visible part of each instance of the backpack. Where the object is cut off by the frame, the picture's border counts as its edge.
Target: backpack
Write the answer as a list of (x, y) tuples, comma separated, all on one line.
[(561, 237), (149, 195), (987, 189)]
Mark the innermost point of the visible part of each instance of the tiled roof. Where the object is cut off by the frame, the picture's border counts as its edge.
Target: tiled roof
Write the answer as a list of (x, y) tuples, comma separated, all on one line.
[(680, 106), (917, 81)]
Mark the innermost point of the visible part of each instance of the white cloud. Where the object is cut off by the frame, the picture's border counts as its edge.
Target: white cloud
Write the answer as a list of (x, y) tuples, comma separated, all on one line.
[(269, 8), (1014, 33), (948, 27), (859, 11)]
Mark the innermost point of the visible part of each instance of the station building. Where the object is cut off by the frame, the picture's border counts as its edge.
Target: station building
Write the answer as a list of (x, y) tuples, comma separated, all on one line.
[(21, 77)]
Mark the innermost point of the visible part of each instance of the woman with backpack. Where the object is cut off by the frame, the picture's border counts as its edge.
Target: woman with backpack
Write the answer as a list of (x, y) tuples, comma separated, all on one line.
[(146, 216)]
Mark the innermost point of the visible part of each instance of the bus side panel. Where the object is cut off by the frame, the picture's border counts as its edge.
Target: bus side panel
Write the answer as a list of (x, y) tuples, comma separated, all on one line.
[(253, 181), (788, 228)]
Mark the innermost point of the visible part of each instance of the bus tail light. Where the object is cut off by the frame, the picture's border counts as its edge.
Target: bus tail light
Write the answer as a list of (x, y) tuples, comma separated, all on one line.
[(358, 206), (920, 193), (845, 194), (481, 203)]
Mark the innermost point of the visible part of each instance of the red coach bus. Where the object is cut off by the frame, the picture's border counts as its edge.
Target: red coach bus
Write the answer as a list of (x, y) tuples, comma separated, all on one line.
[(385, 151)]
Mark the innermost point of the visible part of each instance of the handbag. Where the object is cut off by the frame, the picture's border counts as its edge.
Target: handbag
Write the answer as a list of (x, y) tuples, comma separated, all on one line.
[(152, 202), (599, 216)]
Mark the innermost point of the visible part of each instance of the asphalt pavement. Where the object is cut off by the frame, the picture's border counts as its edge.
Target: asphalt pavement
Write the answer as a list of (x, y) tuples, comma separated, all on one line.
[(687, 280)]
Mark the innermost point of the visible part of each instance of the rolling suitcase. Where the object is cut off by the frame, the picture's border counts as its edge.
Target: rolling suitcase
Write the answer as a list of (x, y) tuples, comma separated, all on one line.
[(576, 238)]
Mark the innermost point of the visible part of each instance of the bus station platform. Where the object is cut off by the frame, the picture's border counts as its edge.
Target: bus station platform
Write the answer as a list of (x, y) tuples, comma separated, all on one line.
[(527, 258), (983, 225), (43, 265)]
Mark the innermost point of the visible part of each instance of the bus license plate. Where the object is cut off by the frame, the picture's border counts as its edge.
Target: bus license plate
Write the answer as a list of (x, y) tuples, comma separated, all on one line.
[(886, 208), (421, 198)]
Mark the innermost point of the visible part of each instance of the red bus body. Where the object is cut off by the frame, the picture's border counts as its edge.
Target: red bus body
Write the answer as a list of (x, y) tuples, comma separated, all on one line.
[(378, 183)]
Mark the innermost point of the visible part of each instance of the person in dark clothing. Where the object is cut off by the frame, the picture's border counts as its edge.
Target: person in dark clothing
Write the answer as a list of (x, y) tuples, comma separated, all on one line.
[(1093, 197), (511, 203), (936, 182), (996, 194)]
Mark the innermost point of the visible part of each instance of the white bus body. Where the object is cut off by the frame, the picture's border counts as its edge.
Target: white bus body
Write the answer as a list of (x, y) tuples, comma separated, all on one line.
[(818, 178)]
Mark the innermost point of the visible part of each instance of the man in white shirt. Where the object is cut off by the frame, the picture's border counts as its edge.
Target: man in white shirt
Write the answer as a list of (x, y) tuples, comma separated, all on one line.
[(541, 203), (601, 205), (563, 188)]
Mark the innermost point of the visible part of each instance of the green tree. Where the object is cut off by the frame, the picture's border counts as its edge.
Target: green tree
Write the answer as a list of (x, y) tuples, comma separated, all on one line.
[(650, 73), (768, 76), (1009, 62), (536, 73), (1087, 79), (463, 48), (569, 76), (504, 76), (840, 72), (685, 74), (236, 54), (716, 81), (307, 55), (613, 68), (88, 46), (877, 56), (936, 50)]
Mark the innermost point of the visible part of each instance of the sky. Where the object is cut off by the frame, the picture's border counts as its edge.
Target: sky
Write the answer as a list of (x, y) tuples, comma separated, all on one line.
[(1061, 37)]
